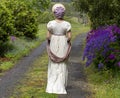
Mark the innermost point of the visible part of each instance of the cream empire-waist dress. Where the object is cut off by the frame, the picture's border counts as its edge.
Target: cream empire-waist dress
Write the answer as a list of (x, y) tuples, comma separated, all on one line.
[(57, 71)]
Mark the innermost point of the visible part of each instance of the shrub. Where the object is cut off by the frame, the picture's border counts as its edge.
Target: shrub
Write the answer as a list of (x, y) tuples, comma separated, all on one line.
[(26, 22), (6, 23), (103, 47), (6, 28), (25, 19), (5, 47), (19, 18), (100, 12)]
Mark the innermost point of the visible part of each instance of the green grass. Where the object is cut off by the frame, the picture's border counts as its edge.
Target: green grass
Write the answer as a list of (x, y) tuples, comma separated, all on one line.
[(6, 65), (103, 83), (42, 31), (34, 83), (78, 28)]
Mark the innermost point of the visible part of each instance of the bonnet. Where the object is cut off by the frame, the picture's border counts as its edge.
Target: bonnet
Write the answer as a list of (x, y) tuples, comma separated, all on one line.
[(58, 10)]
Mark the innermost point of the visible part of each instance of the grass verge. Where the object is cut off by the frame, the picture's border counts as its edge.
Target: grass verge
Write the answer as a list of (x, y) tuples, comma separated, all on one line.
[(34, 83), (103, 83)]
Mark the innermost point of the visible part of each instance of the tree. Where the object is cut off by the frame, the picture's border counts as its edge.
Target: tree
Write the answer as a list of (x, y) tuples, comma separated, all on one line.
[(100, 12), (25, 15), (37, 5), (61, 0)]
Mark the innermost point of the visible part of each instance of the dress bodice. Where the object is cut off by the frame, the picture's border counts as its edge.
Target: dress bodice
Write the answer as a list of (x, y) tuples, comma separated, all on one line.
[(58, 28)]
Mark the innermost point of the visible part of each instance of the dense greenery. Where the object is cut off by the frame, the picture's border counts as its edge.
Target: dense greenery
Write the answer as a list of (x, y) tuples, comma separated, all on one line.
[(19, 18), (6, 27), (100, 12), (6, 23)]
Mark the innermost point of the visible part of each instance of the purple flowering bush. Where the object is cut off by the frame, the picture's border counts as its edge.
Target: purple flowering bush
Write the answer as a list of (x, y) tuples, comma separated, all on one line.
[(103, 47)]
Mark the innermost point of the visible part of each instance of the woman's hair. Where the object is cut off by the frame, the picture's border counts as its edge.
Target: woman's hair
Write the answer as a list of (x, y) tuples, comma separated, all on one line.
[(58, 10)]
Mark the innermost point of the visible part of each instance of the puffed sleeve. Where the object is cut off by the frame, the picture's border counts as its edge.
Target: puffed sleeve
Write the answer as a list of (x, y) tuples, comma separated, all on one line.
[(68, 27), (49, 26)]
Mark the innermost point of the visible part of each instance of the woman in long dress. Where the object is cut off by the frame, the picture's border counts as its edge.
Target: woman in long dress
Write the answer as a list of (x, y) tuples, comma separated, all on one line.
[(58, 47)]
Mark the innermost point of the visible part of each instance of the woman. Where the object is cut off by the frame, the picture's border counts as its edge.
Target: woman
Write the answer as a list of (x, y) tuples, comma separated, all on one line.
[(58, 36)]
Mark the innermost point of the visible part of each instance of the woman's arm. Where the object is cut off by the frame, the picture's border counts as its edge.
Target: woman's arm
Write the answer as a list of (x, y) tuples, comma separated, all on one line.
[(48, 35), (69, 36)]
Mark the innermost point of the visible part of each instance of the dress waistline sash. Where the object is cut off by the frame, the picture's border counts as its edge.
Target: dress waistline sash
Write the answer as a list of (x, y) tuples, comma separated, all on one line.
[(55, 58), (59, 34)]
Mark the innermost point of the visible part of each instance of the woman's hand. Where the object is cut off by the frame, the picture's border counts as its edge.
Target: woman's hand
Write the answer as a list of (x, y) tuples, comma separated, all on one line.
[(48, 37), (68, 40)]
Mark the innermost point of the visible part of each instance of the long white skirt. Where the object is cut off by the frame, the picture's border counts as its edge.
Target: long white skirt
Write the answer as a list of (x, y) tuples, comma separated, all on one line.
[(57, 72)]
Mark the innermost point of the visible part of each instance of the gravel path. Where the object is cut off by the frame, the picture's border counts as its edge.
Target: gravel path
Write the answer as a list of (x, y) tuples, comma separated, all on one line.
[(77, 83), (12, 77)]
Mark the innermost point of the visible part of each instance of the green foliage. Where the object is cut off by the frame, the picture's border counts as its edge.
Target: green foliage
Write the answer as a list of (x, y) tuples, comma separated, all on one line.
[(4, 47), (25, 19), (6, 24), (45, 17), (101, 12), (26, 23), (81, 5), (70, 10), (37, 5), (19, 18)]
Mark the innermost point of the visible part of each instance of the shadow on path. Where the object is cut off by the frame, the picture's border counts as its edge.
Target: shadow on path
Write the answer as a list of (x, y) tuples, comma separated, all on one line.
[(77, 83)]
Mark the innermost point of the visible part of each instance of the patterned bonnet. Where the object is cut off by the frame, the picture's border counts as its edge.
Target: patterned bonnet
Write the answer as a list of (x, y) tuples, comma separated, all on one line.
[(58, 10)]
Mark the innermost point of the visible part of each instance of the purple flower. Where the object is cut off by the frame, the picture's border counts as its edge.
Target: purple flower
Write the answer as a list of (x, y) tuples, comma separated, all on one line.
[(13, 38), (100, 65), (100, 43), (111, 56), (114, 38), (119, 63)]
